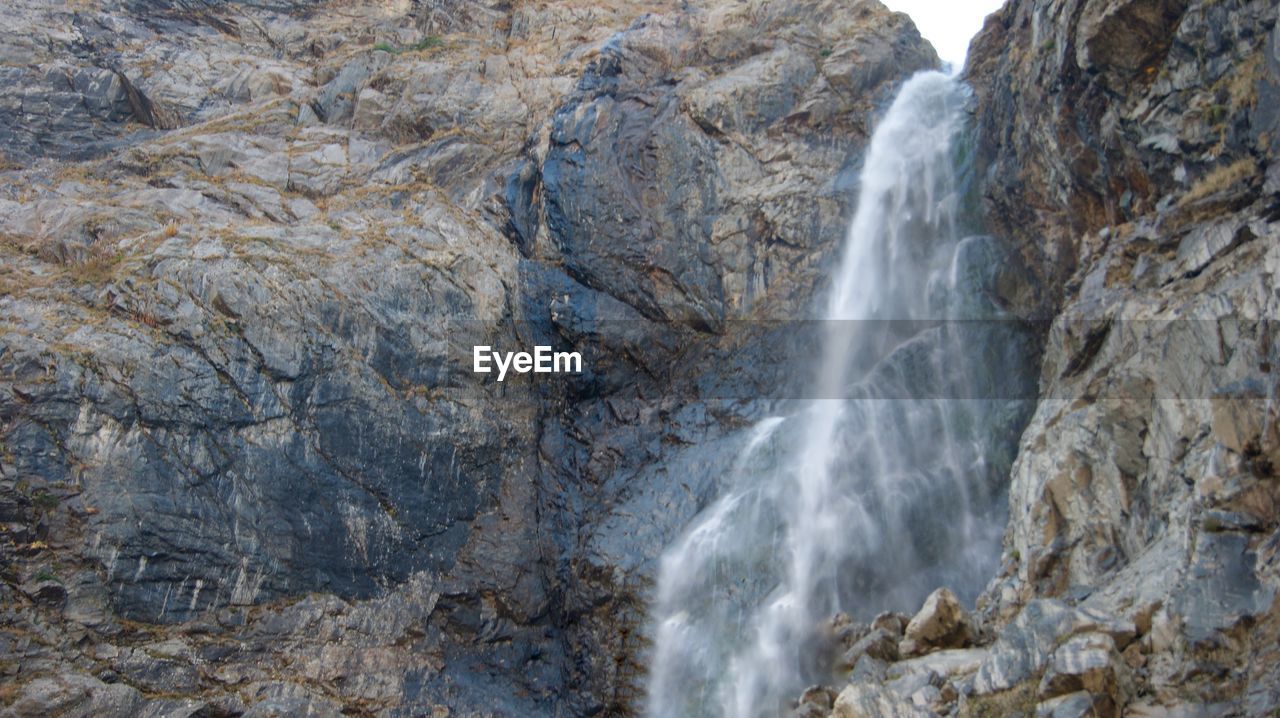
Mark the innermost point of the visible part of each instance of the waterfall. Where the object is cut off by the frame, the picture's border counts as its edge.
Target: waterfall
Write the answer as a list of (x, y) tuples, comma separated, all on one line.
[(886, 486)]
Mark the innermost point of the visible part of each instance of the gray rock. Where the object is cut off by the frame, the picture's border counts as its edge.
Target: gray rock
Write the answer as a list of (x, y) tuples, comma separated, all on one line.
[(73, 694), (1025, 646), (878, 644), (241, 330), (1074, 705), (870, 701), (1088, 662)]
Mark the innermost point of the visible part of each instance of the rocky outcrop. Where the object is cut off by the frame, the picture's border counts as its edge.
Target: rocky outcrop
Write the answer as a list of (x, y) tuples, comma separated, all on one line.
[(1143, 488), (247, 248), (1102, 113)]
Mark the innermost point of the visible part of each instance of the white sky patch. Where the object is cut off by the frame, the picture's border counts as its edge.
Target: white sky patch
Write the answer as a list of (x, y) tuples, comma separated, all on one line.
[(948, 24)]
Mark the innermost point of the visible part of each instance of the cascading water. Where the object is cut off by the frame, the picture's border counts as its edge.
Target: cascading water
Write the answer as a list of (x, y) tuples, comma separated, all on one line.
[(889, 484)]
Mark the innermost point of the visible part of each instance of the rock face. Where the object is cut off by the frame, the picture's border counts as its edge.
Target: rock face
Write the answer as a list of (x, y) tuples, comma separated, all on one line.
[(247, 248), (1142, 109), (1147, 188)]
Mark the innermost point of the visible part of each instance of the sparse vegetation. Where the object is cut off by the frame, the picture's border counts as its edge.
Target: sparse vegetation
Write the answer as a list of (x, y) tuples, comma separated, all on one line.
[(44, 500), (10, 691), (429, 42), (1222, 178), (99, 267), (1019, 700), (1242, 83), (45, 574)]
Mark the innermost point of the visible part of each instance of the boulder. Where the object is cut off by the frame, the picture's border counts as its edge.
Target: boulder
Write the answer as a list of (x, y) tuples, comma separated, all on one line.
[(892, 623), (865, 700), (942, 622), (73, 694), (878, 644), (815, 702)]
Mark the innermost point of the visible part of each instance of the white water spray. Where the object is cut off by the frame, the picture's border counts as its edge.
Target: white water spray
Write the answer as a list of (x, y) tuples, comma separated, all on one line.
[(879, 491)]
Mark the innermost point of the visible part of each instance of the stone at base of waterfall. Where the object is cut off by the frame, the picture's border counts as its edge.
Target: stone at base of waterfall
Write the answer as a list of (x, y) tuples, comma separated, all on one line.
[(872, 701), (894, 623), (879, 644), (845, 632), (815, 702), (941, 623), (927, 690)]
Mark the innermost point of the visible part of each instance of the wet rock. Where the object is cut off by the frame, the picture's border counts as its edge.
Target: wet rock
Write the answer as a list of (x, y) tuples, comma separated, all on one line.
[(625, 103), (815, 702), (892, 623), (845, 631), (878, 644)]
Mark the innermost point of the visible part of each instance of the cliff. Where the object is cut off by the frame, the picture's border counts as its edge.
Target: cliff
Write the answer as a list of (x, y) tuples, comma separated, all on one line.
[(1143, 190), (247, 249), (245, 468)]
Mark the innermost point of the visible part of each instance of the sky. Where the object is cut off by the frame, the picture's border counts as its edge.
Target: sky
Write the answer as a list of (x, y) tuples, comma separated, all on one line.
[(948, 24)]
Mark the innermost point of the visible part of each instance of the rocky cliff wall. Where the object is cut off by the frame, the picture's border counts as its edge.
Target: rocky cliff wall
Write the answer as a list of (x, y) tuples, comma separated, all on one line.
[(1133, 158), (247, 248)]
